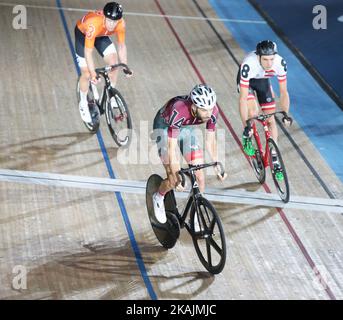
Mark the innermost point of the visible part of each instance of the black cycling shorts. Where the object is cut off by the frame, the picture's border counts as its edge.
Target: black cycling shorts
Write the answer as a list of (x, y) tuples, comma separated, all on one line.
[(101, 43), (263, 89)]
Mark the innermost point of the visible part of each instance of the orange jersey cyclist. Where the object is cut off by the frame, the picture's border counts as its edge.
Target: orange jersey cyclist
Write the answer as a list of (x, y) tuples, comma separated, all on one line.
[(93, 31), (253, 82), (173, 128)]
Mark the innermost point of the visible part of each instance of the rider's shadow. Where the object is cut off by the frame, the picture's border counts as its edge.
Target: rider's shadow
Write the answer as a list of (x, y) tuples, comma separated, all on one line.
[(109, 270), (30, 154), (96, 266), (40, 212)]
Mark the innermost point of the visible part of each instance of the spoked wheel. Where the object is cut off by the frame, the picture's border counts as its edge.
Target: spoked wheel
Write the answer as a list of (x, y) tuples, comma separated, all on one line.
[(208, 236), (118, 118), (257, 162), (93, 109), (278, 170)]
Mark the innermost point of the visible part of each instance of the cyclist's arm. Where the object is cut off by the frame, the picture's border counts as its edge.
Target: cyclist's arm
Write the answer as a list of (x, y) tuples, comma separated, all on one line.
[(211, 144), (284, 96), (243, 104), (172, 155), (122, 52), (90, 61)]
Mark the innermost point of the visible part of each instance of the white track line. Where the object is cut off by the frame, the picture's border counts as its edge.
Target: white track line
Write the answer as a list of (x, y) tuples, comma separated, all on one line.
[(138, 187), (138, 14)]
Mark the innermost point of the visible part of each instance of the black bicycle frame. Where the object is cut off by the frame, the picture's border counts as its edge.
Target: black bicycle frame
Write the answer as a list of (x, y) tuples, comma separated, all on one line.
[(107, 86), (194, 195), (104, 93)]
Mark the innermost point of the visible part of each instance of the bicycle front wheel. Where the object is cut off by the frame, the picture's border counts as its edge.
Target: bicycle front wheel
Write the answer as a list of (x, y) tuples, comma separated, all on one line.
[(257, 162), (278, 170), (208, 236), (118, 118)]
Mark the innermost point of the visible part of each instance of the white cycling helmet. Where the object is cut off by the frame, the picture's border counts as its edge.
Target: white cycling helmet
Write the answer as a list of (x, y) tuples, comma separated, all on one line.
[(203, 96)]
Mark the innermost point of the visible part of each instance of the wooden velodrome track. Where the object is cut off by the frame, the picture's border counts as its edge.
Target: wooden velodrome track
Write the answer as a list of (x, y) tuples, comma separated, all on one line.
[(85, 244)]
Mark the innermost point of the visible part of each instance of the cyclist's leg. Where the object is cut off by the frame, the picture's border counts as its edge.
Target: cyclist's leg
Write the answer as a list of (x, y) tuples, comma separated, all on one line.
[(160, 135), (252, 104), (193, 153), (85, 75), (161, 138), (271, 121), (252, 112), (84, 81), (108, 51), (266, 99), (200, 175), (252, 98), (81, 61)]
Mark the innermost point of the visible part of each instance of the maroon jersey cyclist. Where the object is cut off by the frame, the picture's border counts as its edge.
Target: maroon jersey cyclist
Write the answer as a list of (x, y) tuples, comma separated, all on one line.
[(174, 127)]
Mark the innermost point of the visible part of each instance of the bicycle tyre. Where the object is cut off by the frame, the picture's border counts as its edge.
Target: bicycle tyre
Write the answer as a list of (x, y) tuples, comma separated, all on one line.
[(207, 226), (123, 115), (168, 233), (257, 163), (284, 193)]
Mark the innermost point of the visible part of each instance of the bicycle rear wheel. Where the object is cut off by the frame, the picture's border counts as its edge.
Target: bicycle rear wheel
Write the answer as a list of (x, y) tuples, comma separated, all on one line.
[(209, 242), (166, 233), (257, 162), (279, 174), (118, 119)]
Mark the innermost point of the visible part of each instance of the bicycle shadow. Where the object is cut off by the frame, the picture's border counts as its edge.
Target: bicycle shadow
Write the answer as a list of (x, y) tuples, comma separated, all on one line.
[(30, 154), (188, 280), (109, 266), (57, 206), (247, 186), (233, 220), (96, 265)]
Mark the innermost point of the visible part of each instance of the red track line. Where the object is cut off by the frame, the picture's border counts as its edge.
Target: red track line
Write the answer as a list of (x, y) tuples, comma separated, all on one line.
[(265, 186)]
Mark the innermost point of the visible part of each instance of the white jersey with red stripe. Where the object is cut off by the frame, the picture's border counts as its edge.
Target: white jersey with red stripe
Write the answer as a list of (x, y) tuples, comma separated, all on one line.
[(252, 69)]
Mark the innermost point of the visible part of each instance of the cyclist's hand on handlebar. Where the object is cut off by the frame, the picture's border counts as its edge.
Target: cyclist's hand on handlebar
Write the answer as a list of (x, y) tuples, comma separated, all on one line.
[(247, 132), (220, 175), (178, 182), (287, 120), (94, 78), (128, 73), (173, 177), (179, 187)]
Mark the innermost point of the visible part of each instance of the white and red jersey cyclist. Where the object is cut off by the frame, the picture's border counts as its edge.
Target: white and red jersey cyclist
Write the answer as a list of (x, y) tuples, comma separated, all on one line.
[(254, 86), (251, 69)]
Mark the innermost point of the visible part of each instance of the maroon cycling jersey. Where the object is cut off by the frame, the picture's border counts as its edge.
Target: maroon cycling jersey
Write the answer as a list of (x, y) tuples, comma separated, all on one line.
[(177, 113)]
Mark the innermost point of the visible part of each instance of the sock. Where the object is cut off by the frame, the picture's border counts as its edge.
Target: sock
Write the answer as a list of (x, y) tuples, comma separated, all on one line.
[(83, 96), (160, 195)]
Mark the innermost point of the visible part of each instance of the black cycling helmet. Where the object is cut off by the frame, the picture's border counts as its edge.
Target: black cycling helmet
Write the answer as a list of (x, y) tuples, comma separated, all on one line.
[(113, 11), (266, 48)]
